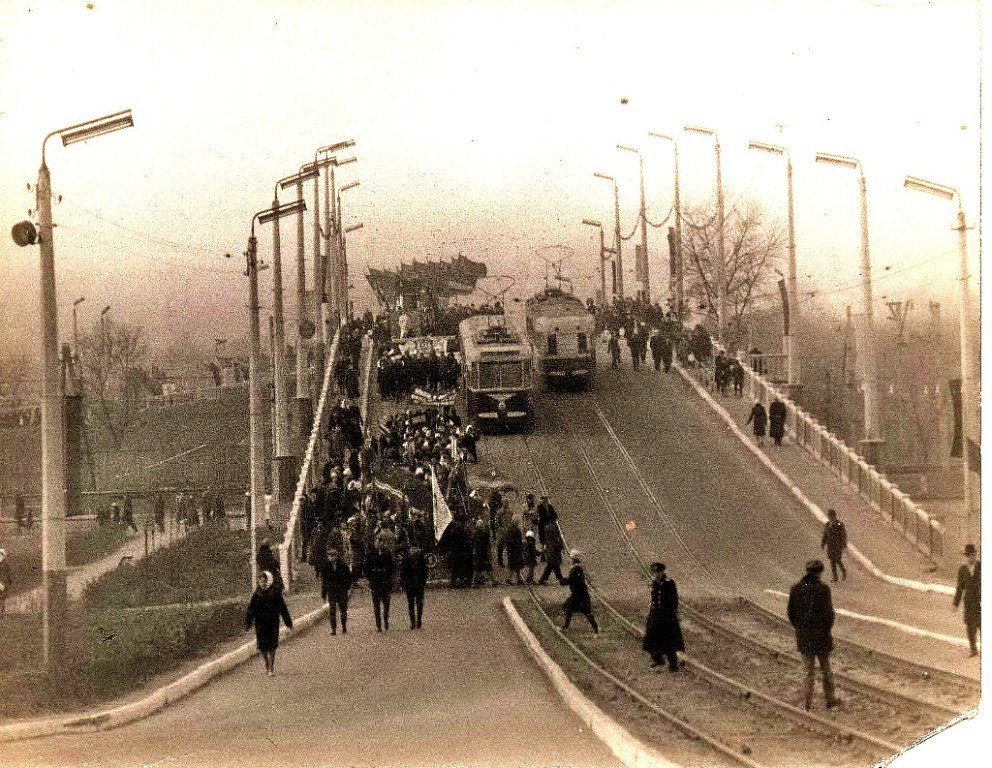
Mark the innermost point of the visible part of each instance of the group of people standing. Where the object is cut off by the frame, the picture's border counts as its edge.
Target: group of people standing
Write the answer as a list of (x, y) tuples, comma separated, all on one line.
[(399, 372)]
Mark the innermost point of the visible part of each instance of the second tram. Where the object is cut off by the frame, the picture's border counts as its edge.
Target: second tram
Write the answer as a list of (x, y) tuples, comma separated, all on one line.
[(562, 331)]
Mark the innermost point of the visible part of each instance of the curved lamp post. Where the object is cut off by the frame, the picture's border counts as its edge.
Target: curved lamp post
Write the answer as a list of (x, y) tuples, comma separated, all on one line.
[(792, 310), (677, 273), (618, 249), (721, 260), (54, 475), (969, 376), (872, 441), (641, 269)]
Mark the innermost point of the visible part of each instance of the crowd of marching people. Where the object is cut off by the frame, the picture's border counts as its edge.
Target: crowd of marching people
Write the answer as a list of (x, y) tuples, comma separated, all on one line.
[(400, 371)]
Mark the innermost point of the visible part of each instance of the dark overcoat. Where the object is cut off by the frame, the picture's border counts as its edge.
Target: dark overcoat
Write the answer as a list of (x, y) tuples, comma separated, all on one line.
[(578, 599), (663, 633), (760, 418), (776, 420), (514, 547), (264, 610), (970, 590), (811, 613), (379, 571)]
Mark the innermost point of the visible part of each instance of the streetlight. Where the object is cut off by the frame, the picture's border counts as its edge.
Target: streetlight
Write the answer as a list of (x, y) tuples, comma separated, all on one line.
[(969, 376), (676, 273), (618, 249), (641, 269), (283, 462), (341, 275), (332, 236), (255, 437), (791, 323), (321, 312), (302, 405), (54, 475), (344, 263), (871, 444), (721, 266), (328, 260), (602, 259)]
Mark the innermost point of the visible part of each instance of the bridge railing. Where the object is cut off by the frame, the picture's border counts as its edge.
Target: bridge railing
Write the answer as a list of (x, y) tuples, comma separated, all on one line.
[(916, 525), (310, 468)]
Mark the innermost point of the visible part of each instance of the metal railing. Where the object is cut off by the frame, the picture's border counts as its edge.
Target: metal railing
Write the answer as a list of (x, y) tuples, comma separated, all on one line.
[(310, 468), (194, 395), (916, 525)]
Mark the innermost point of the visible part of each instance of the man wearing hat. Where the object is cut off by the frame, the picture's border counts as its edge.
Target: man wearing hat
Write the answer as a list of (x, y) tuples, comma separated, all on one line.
[(970, 590), (578, 599), (663, 635), (811, 612)]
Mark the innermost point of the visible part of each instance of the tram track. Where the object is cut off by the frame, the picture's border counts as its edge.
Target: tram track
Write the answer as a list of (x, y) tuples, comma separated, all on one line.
[(913, 718)]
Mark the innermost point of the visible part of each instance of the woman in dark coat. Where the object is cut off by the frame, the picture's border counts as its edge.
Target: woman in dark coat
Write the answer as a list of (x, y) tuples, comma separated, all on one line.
[(578, 600), (513, 539), (663, 635), (759, 416), (264, 610)]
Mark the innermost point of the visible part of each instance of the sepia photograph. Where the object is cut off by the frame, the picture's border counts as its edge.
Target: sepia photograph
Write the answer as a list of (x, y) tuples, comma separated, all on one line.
[(475, 384)]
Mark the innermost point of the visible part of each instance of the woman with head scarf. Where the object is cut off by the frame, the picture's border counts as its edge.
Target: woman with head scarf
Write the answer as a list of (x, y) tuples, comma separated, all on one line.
[(266, 607)]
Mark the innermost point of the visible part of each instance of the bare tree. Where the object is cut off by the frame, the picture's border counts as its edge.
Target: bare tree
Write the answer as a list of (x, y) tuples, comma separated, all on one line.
[(113, 355), (753, 247)]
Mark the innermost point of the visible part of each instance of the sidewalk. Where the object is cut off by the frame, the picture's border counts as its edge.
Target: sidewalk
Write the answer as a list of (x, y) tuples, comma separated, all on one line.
[(867, 529), (80, 576)]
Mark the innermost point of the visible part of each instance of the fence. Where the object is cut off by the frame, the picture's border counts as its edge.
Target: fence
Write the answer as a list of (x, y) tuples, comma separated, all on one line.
[(925, 532), (194, 395), (310, 468)]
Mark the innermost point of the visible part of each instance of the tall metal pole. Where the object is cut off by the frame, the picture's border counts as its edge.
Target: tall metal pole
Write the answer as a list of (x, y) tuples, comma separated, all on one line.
[(873, 420), (280, 430), (54, 475), (721, 289), (331, 257), (602, 266), (646, 273), (969, 374), (619, 240), (255, 412), (679, 264), (304, 411), (793, 357), (319, 340)]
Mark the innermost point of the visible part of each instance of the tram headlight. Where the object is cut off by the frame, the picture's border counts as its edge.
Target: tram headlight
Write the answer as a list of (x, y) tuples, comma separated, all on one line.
[(502, 405)]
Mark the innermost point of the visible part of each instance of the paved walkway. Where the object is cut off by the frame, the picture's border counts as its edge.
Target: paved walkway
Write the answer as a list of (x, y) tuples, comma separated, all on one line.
[(462, 691), (867, 529), (80, 576)]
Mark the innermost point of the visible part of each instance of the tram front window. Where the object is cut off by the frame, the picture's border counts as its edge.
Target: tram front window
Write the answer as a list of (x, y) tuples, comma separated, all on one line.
[(497, 375)]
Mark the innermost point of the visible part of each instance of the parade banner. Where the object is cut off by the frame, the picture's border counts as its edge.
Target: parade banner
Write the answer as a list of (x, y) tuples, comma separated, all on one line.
[(442, 515)]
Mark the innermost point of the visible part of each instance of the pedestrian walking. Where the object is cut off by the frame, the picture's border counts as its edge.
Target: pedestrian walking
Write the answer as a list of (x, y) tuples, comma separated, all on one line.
[(335, 583), (482, 554), (5, 580), (811, 613), (776, 421), (969, 590), (513, 542), (663, 634), (264, 611), (546, 515), (554, 548), (530, 555), (760, 419), (614, 347), (413, 576), (578, 600), (379, 572), (835, 542)]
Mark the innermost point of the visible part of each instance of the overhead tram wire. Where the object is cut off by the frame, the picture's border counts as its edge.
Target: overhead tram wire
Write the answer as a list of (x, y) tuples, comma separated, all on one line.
[(156, 239)]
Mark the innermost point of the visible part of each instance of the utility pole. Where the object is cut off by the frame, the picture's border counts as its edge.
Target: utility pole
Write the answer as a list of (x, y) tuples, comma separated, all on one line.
[(304, 408), (641, 267), (256, 460), (280, 424), (676, 271), (618, 250)]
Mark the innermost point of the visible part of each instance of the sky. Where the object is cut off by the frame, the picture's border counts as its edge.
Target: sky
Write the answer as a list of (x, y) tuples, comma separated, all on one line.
[(478, 128)]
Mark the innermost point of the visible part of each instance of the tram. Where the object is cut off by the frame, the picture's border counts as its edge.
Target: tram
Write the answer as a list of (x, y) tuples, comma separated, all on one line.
[(497, 361), (562, 332)]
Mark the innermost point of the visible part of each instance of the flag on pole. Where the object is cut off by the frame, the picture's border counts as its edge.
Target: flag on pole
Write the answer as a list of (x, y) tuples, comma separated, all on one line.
[(442, 515)]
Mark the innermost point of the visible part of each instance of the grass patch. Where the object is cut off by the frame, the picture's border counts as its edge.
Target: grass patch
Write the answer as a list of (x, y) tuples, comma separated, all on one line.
[(85, 542), (131, 625)]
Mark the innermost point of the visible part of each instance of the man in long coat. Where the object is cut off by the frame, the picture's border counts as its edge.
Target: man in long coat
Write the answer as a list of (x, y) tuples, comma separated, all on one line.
[(413, 576), (379, 572), (335, 583), (835, 541), (970, 590), (811, 612), (663, 635), (554, 546), (776, 420)]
